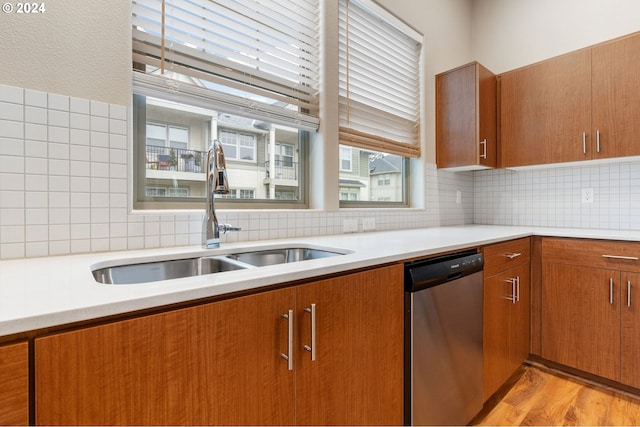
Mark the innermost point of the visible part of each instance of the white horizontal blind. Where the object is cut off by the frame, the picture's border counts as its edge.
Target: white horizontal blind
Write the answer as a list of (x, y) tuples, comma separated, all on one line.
[(379, 80), (263, 53)]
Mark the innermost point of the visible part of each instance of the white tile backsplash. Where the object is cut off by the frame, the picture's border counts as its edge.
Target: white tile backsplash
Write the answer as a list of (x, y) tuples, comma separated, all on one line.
[(553, 197), (65, 189)]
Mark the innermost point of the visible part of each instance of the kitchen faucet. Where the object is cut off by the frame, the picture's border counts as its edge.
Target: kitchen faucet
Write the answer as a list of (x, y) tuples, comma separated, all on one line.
[(216, 184)]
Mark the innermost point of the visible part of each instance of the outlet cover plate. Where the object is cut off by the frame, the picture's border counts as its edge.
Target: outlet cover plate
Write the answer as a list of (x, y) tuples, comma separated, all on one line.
[(587, 195)]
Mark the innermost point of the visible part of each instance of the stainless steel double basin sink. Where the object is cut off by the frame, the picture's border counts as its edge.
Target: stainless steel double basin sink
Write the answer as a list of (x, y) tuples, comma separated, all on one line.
[(152, 271)]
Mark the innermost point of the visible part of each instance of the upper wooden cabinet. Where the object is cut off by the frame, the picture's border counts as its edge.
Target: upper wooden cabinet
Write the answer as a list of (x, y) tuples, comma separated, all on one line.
[(14, 377), (579, 106), (466, 118), (616, 98)]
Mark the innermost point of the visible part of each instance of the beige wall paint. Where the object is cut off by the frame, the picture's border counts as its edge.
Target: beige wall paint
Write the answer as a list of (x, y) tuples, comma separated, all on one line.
[(78, 48), (508, 34)]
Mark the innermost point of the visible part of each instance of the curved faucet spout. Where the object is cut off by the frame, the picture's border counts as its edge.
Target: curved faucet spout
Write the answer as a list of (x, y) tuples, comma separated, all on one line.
[(216, 184)]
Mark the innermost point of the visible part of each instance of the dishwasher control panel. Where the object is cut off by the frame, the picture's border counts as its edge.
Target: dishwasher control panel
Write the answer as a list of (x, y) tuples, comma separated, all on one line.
[(429, 272)]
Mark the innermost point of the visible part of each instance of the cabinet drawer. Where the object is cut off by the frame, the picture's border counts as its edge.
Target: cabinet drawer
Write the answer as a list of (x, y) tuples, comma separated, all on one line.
[(608, 254), (505, 255)]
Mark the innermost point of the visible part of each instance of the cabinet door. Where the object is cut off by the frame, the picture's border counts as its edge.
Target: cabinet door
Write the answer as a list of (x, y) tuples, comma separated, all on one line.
[(14, 377), (357, 377), (456, 118), (545, 109), (616, 89), (630, 362), (520, 333), (581, 318), (497, 302), (466, 115), (212, 364), (506, 326)]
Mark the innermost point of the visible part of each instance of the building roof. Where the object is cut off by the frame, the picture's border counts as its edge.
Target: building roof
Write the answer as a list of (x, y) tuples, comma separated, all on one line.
[(385, 164), (351, 183)]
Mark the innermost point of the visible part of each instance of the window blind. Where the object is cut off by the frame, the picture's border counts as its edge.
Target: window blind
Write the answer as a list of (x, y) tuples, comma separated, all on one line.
[(379, 80), (257, 58)]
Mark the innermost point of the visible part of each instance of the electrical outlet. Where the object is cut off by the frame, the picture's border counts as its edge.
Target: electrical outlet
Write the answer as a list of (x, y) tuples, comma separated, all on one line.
[(368, 224), (587, 195), (350, 226), (458, 197)]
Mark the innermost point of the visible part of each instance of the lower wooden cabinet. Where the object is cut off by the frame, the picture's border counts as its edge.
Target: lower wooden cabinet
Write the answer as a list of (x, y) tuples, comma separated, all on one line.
[(581, 319), (630, 329), (14, 384), (590, 307), (357, 377), (506, 326), (224, 362), (506, 311)]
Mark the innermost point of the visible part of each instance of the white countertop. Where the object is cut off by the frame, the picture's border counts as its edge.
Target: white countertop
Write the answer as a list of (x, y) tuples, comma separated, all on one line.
[(37, 293)]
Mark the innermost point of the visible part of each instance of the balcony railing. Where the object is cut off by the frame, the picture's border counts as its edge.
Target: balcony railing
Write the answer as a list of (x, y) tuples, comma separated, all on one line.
[(176, 159), (282, 169)]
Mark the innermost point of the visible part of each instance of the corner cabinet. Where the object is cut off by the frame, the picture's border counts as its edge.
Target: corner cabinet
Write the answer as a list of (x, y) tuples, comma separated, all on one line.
[(241, 361), (14, 377), (466, 118), (579, 106), (590, 317), (506, 309)]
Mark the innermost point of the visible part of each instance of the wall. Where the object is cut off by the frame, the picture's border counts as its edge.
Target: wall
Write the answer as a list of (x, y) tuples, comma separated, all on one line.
[(509, 34), (76, 47), (65, 140)]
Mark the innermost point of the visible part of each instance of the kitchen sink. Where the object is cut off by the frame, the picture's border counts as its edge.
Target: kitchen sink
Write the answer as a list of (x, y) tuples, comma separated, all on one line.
[(165, 270), (153, 271), (267, 257)]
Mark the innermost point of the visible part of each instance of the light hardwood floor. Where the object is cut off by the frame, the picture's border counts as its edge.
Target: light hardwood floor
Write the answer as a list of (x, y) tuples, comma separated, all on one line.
[(540, 397)]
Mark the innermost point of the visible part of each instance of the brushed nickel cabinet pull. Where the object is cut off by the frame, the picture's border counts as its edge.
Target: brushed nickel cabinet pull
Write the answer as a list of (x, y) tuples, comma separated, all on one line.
[(629, 293), (584, 142), (513, 255), (611, 291), (630, 258), (598, 141), (513, 297), (289, 355), (312, 348), (518, 288), (483, 144)]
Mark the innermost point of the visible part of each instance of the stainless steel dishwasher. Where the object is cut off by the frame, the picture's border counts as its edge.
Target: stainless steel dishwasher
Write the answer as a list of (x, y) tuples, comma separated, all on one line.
[(443, 339)]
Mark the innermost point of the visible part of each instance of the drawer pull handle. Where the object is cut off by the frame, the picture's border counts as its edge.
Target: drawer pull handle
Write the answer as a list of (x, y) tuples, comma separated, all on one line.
[(513, 255), (628, 293), (631, 258)]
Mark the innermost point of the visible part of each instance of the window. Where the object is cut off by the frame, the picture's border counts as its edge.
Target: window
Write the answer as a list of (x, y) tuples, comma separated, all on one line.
[(373, 177), (384, 180), (244, 73), (379, 83), (345, 158), (236, 193), (284, 155), (238, 146)]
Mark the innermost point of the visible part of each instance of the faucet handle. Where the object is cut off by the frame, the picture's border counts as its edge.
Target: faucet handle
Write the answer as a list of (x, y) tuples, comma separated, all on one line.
[(225, 228)]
